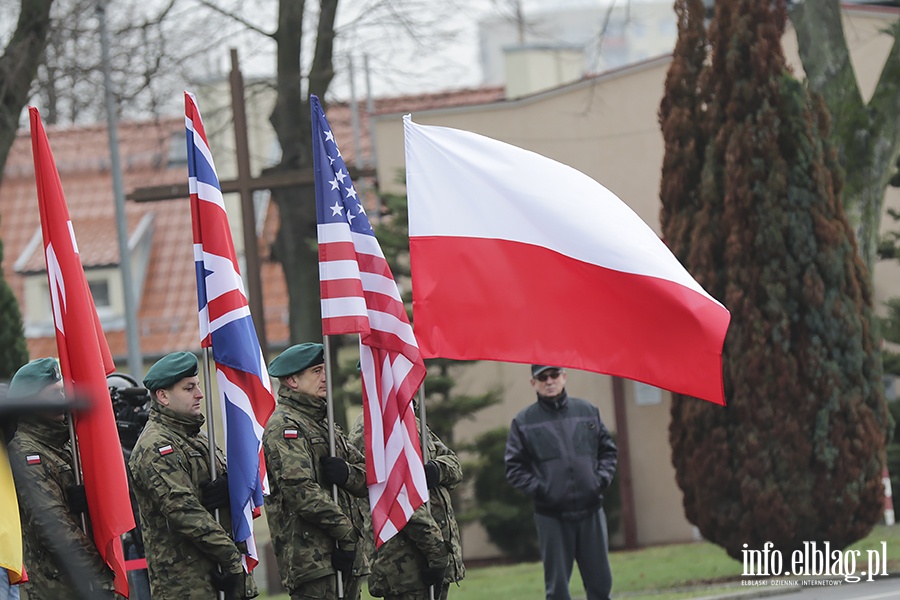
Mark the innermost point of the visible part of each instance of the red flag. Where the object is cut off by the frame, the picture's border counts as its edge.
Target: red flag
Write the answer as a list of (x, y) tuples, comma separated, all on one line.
[(85, 360)]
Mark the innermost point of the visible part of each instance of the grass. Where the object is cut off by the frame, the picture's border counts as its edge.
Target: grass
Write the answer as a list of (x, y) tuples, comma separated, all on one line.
[(669, 572)]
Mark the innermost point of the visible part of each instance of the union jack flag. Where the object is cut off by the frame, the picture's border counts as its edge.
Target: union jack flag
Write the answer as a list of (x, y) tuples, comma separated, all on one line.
[(359, 295), (226, 325)]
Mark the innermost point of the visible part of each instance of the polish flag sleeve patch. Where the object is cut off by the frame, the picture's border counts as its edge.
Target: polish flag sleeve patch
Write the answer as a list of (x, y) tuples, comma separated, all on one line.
[(290, 434), (164, 450), (33, 459)]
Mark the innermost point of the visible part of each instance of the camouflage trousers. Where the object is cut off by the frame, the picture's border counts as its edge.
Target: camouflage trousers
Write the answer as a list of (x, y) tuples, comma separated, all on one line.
[(325, 588), (439, 594)]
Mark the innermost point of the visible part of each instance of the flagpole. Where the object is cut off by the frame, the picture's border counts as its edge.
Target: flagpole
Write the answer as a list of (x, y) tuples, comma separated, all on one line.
[(210, 426), (210, 433), (423, 435), (423, 427), (329, 410), (76, 461)]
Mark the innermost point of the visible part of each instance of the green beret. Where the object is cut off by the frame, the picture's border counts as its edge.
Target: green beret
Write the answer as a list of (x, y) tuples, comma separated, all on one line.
[(169, 370), (297, 358), (33, 377)]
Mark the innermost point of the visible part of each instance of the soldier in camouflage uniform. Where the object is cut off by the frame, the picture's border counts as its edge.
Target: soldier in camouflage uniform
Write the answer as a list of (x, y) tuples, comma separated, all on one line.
[(427, 550), (61, 559), (189, 554), (313, 537)]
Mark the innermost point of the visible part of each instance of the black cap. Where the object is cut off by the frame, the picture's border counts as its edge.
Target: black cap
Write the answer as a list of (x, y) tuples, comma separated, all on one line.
[(538, 369)]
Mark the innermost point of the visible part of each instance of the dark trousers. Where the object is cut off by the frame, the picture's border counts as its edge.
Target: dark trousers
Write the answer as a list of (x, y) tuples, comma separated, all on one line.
[(563, 542), (325, 588), (440, 593)]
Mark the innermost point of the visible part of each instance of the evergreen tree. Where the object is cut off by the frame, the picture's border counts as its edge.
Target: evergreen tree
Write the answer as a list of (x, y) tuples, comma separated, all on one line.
[(444, 407), (752, 207), (13, 351), (506, 513)]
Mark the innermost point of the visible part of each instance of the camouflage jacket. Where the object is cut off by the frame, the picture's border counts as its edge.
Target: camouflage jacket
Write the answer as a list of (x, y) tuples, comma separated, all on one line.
[(303, 518), (427, 540), (183, 542), (55, 546)]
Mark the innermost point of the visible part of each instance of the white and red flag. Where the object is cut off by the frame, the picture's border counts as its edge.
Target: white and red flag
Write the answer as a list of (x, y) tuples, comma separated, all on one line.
[(85, 361), (226, 326), (519, 258), (359, 295)]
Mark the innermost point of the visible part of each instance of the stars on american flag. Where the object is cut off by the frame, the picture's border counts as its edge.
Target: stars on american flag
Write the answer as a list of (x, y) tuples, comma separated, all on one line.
[(342, 198)]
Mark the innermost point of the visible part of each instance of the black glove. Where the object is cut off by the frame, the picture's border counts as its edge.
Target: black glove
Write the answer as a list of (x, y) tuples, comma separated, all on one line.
[(434, 576), (76, 499), (214, 494), (230, 583), (342, 560), (432, 474), (334, 470)]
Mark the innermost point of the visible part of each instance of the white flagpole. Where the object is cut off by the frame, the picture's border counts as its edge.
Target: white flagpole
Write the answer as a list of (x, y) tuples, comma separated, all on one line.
[(329, 407)]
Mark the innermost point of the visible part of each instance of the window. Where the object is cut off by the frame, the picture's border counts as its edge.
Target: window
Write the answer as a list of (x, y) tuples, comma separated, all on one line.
[(100, 292), (177, 150)]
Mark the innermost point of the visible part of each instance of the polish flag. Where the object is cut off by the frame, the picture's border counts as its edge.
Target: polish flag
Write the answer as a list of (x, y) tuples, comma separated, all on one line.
[(516, 257)]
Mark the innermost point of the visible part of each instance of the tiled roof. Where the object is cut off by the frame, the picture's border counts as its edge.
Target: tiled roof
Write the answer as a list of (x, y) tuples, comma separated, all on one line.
[(167, 313), (93, 237), (340, 116)]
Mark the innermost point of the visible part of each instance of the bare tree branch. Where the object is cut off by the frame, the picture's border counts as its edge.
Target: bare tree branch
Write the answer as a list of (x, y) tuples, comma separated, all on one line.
[(252, 27)]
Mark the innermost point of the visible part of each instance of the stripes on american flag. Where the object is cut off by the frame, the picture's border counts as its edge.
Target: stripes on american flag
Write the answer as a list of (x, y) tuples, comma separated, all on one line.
[(359, 295), (226, 325)]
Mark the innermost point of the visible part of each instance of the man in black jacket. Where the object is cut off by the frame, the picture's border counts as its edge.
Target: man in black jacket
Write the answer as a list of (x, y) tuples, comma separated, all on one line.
[(561, 456)]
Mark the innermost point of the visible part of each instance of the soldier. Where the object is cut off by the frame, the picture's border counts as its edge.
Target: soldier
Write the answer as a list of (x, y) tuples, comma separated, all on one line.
[(313, 537), (189, 554), (61, 559), (427, 551)]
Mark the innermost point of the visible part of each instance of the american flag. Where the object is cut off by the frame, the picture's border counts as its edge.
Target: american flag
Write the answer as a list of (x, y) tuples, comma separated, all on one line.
[(226, 325), (359, 295)]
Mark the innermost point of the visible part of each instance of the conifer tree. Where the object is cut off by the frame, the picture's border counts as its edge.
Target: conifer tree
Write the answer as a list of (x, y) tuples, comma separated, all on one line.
[(445, 407), (13, 351), (751, 205)]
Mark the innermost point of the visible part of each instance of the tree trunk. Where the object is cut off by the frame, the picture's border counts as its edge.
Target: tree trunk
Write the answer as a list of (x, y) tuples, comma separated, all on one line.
[(295, 245), (866, 135), (18, 67)]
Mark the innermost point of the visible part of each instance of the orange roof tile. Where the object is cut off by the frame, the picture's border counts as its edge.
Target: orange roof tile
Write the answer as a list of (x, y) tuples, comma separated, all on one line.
[(168, 307)]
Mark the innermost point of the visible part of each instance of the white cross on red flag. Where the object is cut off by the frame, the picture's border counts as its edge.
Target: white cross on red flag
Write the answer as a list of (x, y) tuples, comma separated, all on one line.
[(85, 361)]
